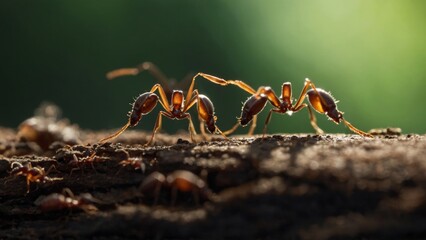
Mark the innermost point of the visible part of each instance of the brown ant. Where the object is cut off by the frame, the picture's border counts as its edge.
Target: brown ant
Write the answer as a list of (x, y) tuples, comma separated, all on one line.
[(178, 108), (78, 164), (136, 164), (33, 174), (168, 84), (66, 200), (319, 99), (179, 180)]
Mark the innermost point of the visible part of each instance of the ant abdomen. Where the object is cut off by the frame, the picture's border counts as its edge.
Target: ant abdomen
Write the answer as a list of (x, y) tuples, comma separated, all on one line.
[(206, 112), (142, 106), (324, 103), (252, 106)]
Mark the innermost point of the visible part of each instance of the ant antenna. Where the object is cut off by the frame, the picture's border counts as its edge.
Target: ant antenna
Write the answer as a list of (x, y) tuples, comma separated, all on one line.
[(115, 134)]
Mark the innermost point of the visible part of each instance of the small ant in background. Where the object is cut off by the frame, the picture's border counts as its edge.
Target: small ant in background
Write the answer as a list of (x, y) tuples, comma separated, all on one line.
[(78, 163), (33, 174), (47, 127), (319, 99), (178, 108), (66, 200), (179, 180), (136, 164)]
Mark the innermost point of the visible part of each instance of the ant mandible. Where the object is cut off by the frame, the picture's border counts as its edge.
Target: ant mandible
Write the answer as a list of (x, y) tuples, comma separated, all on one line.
[(318, 98), (178, 108)]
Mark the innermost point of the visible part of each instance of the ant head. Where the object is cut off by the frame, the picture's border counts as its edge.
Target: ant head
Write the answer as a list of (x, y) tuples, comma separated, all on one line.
[(211, 126), (245, 118), (335, 115), (134, 118)]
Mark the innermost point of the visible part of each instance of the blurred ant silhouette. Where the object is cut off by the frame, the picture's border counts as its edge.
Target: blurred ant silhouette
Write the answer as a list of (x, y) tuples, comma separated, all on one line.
[(66, 200), (178, 108), (177, 181), (318, 98)]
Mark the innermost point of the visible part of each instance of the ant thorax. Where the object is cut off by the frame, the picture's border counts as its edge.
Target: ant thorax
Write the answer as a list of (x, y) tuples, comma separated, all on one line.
[(177, 102)]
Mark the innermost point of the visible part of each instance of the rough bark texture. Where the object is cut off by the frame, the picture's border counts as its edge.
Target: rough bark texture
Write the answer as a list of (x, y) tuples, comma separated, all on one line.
[(283, 186)]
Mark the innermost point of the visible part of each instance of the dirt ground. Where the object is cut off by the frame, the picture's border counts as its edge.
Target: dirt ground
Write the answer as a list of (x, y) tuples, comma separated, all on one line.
[(280, 187)]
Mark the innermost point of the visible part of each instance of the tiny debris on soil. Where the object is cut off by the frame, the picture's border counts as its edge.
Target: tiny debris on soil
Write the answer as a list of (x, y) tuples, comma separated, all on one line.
[(281, 187)]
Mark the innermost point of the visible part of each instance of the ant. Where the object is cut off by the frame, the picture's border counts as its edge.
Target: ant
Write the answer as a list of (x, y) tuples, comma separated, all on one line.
[(78, 164), (136, 164), (66, 200), (178, 108), (322, 101), (179, 180), (33, 174)]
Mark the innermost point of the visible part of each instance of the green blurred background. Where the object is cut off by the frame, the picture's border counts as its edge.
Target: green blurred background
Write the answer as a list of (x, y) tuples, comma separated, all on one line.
[(370, 54)]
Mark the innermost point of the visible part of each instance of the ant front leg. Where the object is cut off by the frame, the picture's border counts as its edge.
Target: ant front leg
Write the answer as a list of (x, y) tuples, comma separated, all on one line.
[(312, 118), (157, 125), (191, 127), (268, 119)]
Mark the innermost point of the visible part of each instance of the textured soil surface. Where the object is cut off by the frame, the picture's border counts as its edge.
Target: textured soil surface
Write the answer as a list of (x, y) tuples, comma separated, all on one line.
[(280, 187)]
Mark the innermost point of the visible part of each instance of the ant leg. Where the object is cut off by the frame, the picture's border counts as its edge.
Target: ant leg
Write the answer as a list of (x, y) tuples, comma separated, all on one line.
[(16, 163), (252, 126), (28, 184), (68, 192), (121, 72), (211, 78), (302, 96), (52, 167), (270, 94), (163, 97), (191, 127), (221, 133), (202, 129), (145, 66), (157, 73), (184, 84), (268, 119), (157, 126), (244, 86), (313, 121), (312, 118)]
